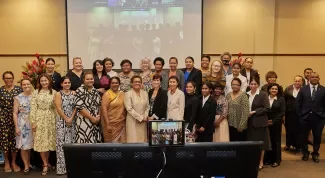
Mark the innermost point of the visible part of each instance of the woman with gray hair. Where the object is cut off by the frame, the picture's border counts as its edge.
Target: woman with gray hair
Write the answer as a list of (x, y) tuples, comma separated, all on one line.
[(146, 74)]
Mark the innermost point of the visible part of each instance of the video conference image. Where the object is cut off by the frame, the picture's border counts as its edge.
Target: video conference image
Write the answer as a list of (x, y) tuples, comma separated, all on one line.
[(166, 133), (143, 2), (133, 29)]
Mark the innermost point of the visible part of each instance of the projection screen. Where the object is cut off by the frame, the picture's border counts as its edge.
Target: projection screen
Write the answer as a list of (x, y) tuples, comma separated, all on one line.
[(134, 29)]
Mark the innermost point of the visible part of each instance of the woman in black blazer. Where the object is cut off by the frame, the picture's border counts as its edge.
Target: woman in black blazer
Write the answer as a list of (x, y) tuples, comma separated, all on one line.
[(204, 122), (275, 115), (157, 99), (192, 74), (257, 121), (192, 104)]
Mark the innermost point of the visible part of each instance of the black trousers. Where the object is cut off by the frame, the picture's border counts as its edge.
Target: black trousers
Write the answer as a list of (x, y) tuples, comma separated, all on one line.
[(235, 135), (274, 155), (204, 137), (292, 127), (316, 124)]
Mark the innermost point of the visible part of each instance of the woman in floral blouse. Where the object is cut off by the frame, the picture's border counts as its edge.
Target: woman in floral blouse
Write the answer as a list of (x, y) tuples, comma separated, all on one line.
[(126, 75), (221, 133), (146, 74)]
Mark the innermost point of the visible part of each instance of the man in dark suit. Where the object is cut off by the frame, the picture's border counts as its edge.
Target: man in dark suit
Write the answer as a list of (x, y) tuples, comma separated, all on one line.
[(311, 113), (307, 73)]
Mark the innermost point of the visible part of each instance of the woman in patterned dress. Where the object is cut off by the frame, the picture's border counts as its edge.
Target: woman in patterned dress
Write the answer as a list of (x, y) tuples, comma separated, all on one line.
[(114, 115), (24, 134), (42, 118), (146, 74), (88, 101), (7, 126), (221, 133), (64, 103), (126, 75)]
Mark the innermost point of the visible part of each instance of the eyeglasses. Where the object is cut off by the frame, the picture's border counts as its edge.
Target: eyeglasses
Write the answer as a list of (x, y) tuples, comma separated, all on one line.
[(8, 78), (217, 65)]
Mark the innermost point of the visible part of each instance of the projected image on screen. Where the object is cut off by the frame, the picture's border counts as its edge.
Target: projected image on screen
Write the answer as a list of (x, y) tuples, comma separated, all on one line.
[(166, 133), (133, 29)]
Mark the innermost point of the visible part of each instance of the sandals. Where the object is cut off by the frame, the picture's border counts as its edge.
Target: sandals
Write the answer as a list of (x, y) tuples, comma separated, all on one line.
[(16, 170), (8, 170), (260, 167), (45, 170), (275, 164), (26, 171)]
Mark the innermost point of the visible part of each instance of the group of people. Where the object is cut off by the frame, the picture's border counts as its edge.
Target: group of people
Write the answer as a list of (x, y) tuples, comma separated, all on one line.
[(220, 102)]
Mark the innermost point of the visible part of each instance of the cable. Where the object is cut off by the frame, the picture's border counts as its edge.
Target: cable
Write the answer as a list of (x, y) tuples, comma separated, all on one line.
[(163, 165)]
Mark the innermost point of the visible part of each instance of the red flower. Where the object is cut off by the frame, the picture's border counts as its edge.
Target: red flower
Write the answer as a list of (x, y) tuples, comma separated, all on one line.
[(24, 73), (30, 72), (37, 55), (35, 63)]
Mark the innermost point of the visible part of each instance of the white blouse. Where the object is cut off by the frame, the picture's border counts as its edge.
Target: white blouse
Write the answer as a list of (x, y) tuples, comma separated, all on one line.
[(251, 98), (230, 77)]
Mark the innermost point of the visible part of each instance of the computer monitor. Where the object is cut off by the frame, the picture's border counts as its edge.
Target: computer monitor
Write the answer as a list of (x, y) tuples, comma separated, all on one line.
[(112, 160), (164, 133), (229, 160)]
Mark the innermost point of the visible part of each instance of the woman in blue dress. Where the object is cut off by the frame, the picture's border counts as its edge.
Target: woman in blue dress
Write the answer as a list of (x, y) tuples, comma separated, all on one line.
[(24, 135)]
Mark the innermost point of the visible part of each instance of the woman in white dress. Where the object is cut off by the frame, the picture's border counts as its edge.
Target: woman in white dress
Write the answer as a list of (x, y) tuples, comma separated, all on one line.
[(137, 106)]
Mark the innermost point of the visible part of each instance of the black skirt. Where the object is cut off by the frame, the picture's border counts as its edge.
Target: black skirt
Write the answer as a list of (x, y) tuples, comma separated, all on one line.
[(259, 134)]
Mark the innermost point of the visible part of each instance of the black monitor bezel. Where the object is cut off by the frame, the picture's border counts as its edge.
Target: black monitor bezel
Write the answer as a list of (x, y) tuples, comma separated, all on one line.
[(171, 145)]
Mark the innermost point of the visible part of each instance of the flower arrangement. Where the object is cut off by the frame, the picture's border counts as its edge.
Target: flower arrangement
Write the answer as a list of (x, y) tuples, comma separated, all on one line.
[(33, 69), (238, 60)]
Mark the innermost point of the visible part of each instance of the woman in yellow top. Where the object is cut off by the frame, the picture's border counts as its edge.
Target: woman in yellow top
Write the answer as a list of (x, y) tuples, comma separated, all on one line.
[(42, 118), (114, 114)]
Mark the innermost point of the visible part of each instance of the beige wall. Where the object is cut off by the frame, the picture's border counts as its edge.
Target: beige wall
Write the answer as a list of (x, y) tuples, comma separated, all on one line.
[(29, 27), (267, 27), (247, 26)]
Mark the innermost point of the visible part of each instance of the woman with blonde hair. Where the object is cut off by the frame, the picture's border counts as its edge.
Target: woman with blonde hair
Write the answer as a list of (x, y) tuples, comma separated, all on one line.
[(146, 74), (76, 73), (216, 73)]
